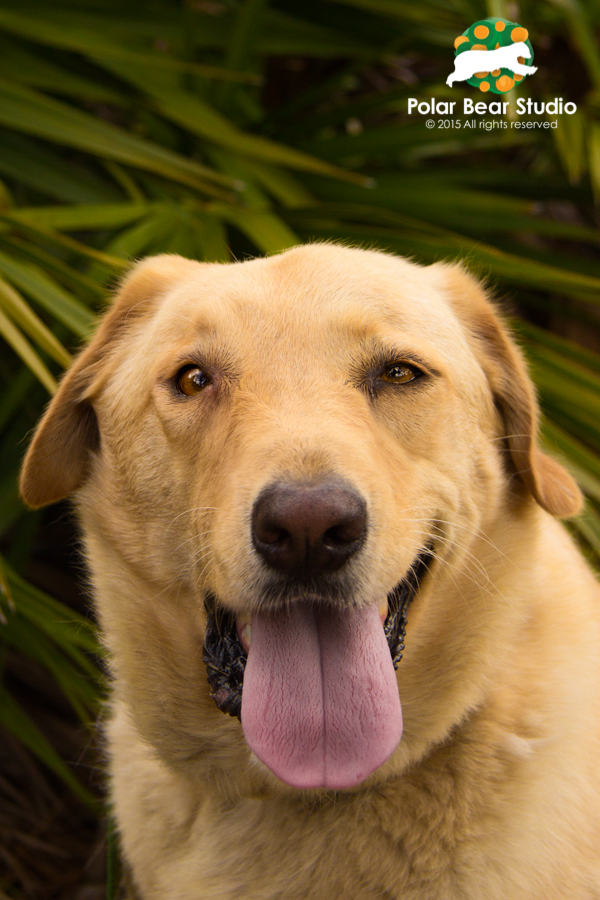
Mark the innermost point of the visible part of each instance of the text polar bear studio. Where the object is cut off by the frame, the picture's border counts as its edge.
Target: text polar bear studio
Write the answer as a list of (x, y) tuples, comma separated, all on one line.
[(471, 62)]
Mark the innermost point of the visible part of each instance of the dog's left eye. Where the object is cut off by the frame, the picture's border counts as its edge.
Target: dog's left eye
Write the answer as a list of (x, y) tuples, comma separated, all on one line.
[(191, 380), (401, 373)]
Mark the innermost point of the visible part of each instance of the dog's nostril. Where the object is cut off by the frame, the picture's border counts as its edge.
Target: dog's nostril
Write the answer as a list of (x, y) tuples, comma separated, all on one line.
[(271, 535), (307, 530), (346, 533)]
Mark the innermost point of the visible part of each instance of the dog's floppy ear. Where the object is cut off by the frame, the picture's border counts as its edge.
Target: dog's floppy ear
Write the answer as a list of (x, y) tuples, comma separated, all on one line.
[(514, 395), (57, 460)]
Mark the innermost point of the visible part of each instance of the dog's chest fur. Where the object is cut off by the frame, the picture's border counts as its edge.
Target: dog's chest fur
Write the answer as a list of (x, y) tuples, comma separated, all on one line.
[(458, 826)]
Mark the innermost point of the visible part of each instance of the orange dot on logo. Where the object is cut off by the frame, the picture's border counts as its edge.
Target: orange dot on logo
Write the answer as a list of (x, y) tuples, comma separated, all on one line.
[(481, 32), (518, 78), (484, 86), (481, 74), (496, 72), (479, 47), (460, 40), (499, 26), (505, 84), (519, 34)]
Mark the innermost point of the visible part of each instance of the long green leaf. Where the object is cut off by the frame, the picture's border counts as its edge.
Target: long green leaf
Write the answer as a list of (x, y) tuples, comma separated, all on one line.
[(30, 251), (82, 216), (583, 36), (146, 234), (7, 603), (569, 349), (36, 166), (49, 295), (27, 68), (576, 375), (74, 681), (211, 237), (68, 628), (197, 116), (23, 315), (48, 235), (28, 111), (46, 30), (23, 348), (284, 33), (588, 525), (242, 43), (18, 723), (571, 448), (265, 229)]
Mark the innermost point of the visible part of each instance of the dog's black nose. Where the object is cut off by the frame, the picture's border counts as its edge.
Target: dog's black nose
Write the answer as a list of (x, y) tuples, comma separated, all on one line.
[(308, 530)]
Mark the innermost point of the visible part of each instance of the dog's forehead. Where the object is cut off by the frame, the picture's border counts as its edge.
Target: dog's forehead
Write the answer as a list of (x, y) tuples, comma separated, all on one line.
[(351, 295)]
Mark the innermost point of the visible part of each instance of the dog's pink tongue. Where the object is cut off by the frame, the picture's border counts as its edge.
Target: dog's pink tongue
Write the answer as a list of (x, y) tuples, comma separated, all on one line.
[(320, 703)]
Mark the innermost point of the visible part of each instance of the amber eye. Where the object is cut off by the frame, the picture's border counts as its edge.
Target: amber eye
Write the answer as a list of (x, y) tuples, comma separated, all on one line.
[(401, 373), (191, 380)]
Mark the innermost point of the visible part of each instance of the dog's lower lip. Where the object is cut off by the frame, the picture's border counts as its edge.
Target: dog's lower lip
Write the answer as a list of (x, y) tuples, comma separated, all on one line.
[(228, 637), (243, 625), (384, 608)]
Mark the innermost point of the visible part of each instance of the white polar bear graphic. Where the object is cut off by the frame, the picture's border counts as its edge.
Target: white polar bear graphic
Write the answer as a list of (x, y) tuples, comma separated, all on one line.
[(470, 62)]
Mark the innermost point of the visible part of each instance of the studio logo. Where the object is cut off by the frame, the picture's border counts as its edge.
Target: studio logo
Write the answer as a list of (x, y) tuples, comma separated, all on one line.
[(493, 55)]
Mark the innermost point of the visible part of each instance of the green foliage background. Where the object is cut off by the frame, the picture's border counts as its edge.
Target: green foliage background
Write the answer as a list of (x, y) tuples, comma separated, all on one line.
[(222, 128)]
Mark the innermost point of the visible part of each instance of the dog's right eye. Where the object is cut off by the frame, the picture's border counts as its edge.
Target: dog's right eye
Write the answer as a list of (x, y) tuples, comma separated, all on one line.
[(401, 373), (191, 380)]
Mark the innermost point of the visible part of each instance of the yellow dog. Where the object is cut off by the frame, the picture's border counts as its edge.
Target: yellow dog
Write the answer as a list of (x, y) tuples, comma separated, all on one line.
[(280, 466)]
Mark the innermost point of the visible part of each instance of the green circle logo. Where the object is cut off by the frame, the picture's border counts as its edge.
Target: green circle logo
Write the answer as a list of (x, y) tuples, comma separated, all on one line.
[(510, 55)]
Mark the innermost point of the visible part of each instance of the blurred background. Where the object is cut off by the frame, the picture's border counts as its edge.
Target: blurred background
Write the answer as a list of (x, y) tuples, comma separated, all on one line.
[(222, 129)]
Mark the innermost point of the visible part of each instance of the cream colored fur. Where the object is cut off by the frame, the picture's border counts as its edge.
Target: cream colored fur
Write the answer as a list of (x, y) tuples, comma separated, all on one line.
[(494, 790)]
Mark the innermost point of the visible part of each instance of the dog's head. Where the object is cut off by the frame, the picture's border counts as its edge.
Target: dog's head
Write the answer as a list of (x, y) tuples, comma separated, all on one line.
[(296, 444)]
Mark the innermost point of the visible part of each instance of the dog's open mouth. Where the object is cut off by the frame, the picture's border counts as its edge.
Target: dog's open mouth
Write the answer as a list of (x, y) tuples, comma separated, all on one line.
[(319, 704)]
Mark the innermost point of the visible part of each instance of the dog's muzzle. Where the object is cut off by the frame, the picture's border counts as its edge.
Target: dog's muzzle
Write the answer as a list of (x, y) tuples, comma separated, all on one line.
[(225, 657)]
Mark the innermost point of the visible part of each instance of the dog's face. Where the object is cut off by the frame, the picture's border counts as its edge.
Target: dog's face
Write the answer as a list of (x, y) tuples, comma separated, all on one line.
[(290, 441)]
